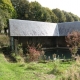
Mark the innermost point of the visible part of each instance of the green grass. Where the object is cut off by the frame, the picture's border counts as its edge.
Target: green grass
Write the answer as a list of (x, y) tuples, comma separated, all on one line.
[(30, 71)]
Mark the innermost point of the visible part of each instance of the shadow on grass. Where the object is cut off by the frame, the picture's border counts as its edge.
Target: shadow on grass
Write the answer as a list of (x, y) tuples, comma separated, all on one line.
[(7, 53)]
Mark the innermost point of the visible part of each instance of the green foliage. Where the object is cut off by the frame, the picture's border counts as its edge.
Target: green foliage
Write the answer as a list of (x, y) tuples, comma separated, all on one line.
[(60, 15), (72, 73), (22, 8), (57, 70), (68, 16), (4, 40), (35, 71), (7, 11), (48, 15), (73, 41), (45, 15), (34, 11), (17, 58), (75, 17)]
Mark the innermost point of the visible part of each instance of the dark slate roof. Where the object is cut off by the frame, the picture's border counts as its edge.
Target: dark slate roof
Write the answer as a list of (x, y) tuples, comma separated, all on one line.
[(36, 28), (32, 28), (67, 27)]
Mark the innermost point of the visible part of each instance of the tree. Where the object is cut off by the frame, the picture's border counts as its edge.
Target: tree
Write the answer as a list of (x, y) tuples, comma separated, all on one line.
[(2, 20), (68, 16), (60, 15), (35, 11), (75, 17), (46, 17), (73, 41), (22, 8), (7, 11), (49, 15), (54, 17)]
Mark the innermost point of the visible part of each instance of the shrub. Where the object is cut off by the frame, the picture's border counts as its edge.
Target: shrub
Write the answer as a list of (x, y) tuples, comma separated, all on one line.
[(42, 56), (20, 51), (33, 51), (4, 40), (33, 54), (17, 58), (73, 42), (56, 69), (73, 73)]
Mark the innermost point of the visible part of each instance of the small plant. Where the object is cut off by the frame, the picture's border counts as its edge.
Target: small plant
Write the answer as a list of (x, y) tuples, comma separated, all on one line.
[(54, 56), (20, 52), (72, 73), (18, 58), (13, 54), (42, 57), (56, 70), (34, 51), (73, 42), (33, 54), (4, 40)]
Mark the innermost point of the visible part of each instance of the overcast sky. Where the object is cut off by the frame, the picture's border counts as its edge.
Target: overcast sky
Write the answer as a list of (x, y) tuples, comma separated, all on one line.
[(67, 5)]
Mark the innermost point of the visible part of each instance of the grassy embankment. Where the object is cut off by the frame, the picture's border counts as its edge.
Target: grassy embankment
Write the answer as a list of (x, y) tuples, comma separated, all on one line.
[(31, 71), (55, 70)]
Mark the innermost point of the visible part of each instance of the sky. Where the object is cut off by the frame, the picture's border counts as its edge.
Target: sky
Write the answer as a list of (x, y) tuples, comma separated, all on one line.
[(72, 6)]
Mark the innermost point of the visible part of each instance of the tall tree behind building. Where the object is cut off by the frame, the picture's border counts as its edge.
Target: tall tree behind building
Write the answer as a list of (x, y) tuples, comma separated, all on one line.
[(7, 11), (22, 8)]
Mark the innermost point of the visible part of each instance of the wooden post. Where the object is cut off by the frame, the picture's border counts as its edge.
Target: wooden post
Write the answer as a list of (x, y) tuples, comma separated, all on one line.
[(12, 43), (16, 47), (57, 45), (57, 42)]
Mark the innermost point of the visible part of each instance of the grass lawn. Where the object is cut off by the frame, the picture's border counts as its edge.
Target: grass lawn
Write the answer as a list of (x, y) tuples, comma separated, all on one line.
[(30, 71)]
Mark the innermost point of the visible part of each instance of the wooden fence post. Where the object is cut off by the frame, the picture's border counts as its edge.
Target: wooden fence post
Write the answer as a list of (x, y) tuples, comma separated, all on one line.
[(12, 43), (16, 47)]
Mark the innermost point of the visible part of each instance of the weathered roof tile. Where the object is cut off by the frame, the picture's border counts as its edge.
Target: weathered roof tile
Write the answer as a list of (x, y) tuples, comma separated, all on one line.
[(32, 28), (36, 28)]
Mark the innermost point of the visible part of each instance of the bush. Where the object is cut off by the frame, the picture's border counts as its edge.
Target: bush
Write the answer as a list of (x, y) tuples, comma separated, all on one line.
[(56, 70), (73, 73), (17, 58), (33, 54), (4, 40), (33, 51)]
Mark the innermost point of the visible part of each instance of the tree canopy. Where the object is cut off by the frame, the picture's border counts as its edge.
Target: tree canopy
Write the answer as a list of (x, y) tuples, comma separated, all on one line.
[(34, 11), (7, 11), (23, 9), (60, 15)]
